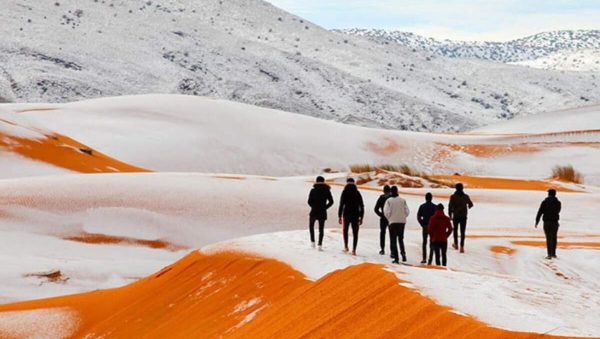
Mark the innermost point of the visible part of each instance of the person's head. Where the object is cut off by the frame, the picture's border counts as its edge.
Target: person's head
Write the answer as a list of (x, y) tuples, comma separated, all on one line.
[(551, 192), (394, 191), (459, 187), (350, 181), (428, 197), (387, 189), (320, 179), (440, 207)]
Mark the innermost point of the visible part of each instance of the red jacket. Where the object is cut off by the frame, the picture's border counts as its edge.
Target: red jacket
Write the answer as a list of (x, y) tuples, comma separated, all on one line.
[(439, 227)]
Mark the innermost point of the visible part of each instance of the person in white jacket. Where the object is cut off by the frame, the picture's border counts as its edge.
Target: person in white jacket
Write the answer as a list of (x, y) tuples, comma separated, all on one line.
[(396, 211)]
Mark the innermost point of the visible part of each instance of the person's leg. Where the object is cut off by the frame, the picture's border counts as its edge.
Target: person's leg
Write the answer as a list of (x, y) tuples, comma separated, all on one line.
[(444, 250), (354, 235), (321, 231), (436, 250), (393, 243), (345, 233), (430, 252), (401, 240), (382, 229), (425, 236), (548, 233), (463, 230), (554, 238), (311, 228), (456, 227)]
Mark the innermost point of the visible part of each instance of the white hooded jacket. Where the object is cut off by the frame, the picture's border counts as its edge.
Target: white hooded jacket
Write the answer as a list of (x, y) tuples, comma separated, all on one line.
[(396, 210)]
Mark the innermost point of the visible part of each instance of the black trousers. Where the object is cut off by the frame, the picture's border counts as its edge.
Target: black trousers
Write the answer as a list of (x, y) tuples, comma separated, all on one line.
[(551, 230), (425, 244), (311, 227), (383, 226), (460, 223), (397, 238), (354, 224), (440, 248)]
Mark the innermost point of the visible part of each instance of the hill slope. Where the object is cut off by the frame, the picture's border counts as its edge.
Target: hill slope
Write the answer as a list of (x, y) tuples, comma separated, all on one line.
[(252, 52)]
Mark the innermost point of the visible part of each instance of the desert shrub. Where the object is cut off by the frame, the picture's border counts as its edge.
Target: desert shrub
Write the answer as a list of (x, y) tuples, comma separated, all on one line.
[(407, 170), (567, 173), (362, 168), (388, 167)]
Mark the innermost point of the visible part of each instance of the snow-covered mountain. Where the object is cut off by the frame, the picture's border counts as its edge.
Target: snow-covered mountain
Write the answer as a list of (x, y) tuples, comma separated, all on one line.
[(524, 49), (252, 52), (584, 60)]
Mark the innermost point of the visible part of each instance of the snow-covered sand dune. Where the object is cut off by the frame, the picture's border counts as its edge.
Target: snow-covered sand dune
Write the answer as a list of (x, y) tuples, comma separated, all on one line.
[(192, 134), (68, 233)]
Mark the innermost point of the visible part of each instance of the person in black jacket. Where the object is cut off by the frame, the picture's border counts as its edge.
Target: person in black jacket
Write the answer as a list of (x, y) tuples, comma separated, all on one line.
[(425, 212), (458, 209), (351, 212), (383, 223), (319, 200), (550, 211)]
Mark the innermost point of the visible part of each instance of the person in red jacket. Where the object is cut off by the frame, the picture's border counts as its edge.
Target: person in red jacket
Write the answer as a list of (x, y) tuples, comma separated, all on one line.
[(440, 228)]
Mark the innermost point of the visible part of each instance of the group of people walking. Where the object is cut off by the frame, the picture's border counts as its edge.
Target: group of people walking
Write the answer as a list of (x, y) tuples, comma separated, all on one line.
[(393, 212)]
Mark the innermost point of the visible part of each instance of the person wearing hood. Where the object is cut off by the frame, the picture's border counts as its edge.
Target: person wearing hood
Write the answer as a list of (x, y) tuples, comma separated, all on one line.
[(425, 212), (458, 209), (351, 212), (439, 229), (319, 200), (383, 222), (396, 211), (549, 211)]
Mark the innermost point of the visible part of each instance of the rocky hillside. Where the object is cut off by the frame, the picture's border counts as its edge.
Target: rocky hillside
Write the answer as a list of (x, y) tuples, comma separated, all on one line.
[(252, 52)]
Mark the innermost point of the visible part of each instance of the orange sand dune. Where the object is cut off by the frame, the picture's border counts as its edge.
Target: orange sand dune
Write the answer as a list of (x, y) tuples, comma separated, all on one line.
[(500, 183), (92, 238), (64, 152), (238, 296), (584, 245)]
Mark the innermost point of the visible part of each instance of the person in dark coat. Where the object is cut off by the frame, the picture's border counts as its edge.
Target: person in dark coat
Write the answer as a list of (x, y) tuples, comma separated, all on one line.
[(458, 209), (383, 222), (351, 212), (549, 212), (425, 212), (439, 229), (319, 200)]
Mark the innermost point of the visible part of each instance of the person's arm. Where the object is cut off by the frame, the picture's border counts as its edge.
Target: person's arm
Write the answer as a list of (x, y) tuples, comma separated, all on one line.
[(469, 202), (361, 208), (449, 228), (559, 206), (329, 200), (451, 207), (379, 207), (420, 217), (540, 212), (430, 226), (406, 209), (311, 198), (387, 209), (342, 203)]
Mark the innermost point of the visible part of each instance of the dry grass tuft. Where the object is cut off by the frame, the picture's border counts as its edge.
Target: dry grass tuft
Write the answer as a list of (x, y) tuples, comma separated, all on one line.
[(567, 174)]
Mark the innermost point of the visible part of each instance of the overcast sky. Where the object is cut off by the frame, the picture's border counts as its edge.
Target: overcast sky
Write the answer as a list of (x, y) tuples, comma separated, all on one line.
[(498, 20)]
